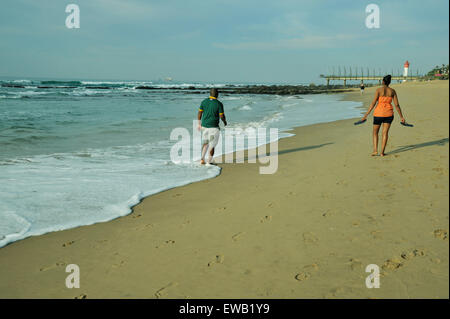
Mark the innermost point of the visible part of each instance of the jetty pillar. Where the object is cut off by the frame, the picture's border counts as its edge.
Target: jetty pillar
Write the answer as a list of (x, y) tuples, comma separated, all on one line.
[(328, 82), (345, 82)]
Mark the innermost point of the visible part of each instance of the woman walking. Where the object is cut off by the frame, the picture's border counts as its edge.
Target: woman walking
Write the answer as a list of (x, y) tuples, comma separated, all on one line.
[(383, 114)]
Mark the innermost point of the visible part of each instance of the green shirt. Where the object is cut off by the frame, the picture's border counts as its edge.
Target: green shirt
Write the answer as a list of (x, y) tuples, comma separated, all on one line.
[(211, 108)]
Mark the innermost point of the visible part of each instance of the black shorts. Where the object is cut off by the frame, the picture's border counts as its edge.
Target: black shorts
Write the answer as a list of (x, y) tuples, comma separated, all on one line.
[(377, 120)]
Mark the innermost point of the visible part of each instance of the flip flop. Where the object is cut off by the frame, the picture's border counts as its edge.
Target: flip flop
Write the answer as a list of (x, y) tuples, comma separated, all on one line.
[(406, 124), (359, 122)]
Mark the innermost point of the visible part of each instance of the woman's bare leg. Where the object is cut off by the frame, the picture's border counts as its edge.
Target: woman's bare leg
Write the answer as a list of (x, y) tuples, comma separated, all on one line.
[(386, 127), (376, 128)]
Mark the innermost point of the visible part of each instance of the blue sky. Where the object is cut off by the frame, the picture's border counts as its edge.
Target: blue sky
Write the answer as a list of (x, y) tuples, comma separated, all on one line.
[(218, 41)]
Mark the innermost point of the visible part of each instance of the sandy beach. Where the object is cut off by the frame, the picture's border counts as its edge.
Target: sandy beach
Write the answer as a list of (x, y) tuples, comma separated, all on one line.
[(308, 231)]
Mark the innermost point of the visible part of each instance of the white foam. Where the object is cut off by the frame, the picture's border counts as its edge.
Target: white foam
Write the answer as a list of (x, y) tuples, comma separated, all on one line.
[(44, 193)]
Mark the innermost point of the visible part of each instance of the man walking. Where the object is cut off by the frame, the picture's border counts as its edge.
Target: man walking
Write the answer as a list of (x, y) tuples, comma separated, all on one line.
[(209, 114)]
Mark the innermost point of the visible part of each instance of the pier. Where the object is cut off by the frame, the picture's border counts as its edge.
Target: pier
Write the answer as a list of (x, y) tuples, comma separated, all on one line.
[(360, 75)]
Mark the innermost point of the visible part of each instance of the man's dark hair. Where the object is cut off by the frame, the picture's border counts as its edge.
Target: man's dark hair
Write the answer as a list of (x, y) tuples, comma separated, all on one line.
[(214, 92), (387, 79)]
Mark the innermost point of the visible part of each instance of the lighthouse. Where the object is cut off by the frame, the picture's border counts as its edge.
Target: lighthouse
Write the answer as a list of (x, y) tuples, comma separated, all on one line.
[(405, 69)]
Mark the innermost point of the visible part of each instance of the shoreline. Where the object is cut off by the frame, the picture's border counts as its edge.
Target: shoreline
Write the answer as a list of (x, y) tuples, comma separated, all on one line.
[(142, 195), (212, 239)]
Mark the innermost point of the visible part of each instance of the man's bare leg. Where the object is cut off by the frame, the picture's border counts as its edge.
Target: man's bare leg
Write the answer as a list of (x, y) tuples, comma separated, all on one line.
[(376, 129), (386, 127), (204, 149), (211, 154)]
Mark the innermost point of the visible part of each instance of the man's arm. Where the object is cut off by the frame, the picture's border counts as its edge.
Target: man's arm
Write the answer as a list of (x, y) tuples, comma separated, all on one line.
[(199, 118), (222, 114), (222, 117)]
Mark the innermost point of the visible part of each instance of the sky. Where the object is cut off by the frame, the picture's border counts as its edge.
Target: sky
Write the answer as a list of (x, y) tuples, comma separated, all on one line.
[(278, 41)]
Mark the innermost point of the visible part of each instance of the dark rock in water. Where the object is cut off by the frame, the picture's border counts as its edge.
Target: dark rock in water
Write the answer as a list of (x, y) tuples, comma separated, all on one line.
[(13, 86), (56, 87), (61, 83), (144, 87), (246, 89)]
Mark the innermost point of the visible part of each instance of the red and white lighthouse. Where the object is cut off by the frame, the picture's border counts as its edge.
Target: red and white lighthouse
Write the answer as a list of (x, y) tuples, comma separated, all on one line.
[(405, 68)]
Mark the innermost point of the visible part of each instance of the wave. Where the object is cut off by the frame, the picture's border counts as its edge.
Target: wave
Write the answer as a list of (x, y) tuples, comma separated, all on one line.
[(35, 138), (246, 107), (69, 83)]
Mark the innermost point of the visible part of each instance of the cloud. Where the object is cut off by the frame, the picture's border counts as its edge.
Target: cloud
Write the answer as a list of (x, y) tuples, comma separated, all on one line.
[(307, 42)]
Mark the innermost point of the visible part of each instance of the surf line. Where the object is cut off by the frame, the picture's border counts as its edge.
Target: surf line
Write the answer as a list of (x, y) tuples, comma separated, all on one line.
[(180, 152)]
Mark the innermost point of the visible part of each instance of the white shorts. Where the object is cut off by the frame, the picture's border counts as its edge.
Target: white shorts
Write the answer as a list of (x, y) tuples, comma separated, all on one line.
[(210, 136)]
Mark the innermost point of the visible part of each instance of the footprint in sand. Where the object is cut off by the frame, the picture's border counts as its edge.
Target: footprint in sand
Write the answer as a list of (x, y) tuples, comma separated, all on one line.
[(392, 264), (342, 182), (68, 243), (167, 242), (306, 272), (55, 265), (328, 213), (237, 236), (414, 253), (372, 219), (355, 264), (302, 276), (142, 227), (355, 223), (136, 215), (187, 222), (218, 260), (119, 264), (99, 244), (162, 292), (441, 234), (310, 238), (82, 296), (385, 196), (221, 209), (339, 292), (440, 170), (266, 218), (398, 262), (376, 234)]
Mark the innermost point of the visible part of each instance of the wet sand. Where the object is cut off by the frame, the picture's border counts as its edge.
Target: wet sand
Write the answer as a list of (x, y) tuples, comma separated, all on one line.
[(307, 231)]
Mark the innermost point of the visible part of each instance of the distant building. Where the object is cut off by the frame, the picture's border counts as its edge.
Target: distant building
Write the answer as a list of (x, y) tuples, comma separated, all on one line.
[(406, 69)]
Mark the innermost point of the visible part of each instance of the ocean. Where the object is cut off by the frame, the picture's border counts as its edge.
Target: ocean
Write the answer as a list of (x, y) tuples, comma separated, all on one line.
[(81, 152)]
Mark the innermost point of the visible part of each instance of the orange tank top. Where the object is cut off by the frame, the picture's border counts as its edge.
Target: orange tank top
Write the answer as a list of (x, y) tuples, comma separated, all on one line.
[(384, 107)]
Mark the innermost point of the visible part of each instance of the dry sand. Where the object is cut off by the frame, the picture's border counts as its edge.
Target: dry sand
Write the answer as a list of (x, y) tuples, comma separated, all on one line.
[(307, 231)]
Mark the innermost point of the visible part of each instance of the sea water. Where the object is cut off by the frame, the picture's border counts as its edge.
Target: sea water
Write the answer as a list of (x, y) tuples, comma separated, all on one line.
[(81, 152)]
